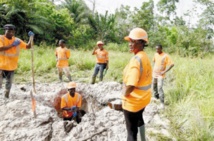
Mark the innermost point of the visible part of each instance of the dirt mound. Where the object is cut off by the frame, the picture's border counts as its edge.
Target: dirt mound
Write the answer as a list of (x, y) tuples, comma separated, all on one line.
[(100, 123)]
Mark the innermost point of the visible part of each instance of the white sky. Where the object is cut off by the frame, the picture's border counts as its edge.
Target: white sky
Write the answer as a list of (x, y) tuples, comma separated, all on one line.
[(103, 5)]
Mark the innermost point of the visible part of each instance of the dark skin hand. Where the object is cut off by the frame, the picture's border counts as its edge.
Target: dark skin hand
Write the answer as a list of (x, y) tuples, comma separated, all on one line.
[(127, 90), (9, 34), (100, 46)]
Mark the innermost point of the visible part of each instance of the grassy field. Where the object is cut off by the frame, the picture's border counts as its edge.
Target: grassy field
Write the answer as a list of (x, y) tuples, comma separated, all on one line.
[(189, 85)]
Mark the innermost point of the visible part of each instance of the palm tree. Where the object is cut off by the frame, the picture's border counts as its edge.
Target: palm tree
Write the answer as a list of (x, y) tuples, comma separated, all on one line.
[(78, 10), (103, 26), (24, 16)]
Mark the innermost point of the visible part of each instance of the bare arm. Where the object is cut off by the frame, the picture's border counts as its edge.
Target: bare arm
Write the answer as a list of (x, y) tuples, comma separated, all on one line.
[(107, 64), (94, 50), (127, 90), (6, 47), (168, 68), (29, 44)]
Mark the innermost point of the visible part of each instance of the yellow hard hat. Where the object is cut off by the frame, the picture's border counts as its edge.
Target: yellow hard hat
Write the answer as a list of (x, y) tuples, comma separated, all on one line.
[(137, 34), (100, 43), (71, 85)]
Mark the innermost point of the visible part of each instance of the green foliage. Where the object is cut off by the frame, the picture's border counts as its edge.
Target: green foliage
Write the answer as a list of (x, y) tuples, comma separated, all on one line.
[(103, 26), (73, 21), (189, 97), (167, 6), (118, 47), (146, 14)]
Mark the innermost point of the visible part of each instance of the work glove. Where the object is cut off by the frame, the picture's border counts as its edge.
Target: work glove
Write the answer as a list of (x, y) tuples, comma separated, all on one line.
[(30, 33), (73, 108), (16, 42), (74, 114)]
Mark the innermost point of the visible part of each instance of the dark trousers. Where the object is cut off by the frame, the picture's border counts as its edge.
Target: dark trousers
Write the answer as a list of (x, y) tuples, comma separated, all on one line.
[(8, 75), (99, 67), (78, 118), (133, 121)]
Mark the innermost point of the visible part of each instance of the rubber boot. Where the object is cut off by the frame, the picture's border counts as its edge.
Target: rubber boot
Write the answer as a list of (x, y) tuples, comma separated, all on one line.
[(64, 125), (101, 78), (141, 131), (6, 94), (60, 77), (93, 80), (69, 78)]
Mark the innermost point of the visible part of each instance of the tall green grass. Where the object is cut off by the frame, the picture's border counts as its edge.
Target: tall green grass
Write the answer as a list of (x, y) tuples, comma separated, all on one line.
[(189, 85), (190, 99)]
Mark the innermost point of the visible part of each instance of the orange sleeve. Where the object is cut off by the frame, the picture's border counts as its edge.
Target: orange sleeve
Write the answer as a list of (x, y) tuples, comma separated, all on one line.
[(168, 61), (133, 73), (68, 53), (107, 56), (63, 103), (23, 45), (1, 42)]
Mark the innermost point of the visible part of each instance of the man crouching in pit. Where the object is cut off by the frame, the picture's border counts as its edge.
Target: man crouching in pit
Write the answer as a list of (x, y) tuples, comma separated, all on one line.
[(70, 105)]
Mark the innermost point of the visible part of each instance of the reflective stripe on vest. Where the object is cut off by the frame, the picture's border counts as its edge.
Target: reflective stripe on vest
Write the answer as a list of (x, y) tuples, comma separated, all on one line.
[(9, 54), (66, 99), (141, 72)]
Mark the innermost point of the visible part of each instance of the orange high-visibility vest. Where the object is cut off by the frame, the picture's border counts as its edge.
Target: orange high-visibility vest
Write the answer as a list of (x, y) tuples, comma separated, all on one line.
[(68, 102), (101, 56), (161, 61), (63, 54), (9, 58), (137, 73)]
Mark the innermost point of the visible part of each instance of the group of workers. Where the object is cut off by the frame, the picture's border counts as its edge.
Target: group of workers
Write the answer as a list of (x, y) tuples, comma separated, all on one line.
[(138, 78), (63, 54)]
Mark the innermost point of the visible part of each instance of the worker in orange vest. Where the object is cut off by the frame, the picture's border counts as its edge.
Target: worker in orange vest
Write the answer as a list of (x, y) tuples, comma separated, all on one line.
[(102, 61), (137, 79), (9, 54), (62, 55), (71, 103), (162, 64)]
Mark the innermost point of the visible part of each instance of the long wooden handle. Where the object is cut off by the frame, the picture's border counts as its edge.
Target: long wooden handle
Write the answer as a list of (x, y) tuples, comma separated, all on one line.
[(32, 63)]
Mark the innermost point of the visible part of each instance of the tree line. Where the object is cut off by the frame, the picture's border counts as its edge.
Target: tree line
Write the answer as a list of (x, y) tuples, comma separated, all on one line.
[(73, 21)]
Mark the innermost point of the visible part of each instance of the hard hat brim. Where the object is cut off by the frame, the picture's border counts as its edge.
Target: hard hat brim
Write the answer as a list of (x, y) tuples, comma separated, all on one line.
[(71, 87), (127, 38)]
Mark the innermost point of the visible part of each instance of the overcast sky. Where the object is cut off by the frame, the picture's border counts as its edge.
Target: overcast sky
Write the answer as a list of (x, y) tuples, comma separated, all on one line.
[(101, 6), (110, 5)]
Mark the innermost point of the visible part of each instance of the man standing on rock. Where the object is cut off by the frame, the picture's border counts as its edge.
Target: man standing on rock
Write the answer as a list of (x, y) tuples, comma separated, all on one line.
[(102, 61), (62, 56), (137, 79), (70, 105), (9, 54), (161, 61)]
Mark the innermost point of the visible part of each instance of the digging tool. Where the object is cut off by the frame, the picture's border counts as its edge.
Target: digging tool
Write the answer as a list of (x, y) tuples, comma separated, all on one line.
[(31, 34), (33, 103), (32, 63)]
